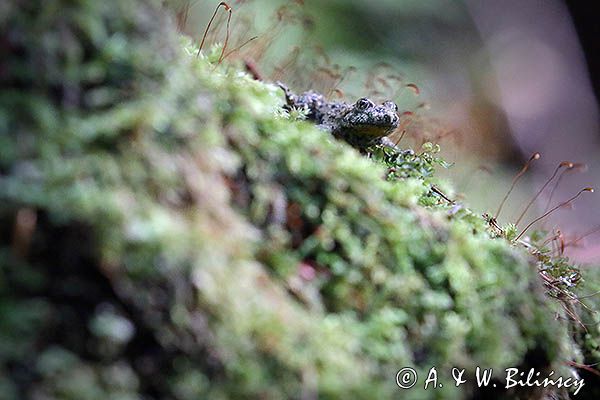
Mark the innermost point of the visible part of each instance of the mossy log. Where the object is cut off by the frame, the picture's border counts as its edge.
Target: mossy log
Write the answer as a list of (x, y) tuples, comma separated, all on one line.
[(168, 232)]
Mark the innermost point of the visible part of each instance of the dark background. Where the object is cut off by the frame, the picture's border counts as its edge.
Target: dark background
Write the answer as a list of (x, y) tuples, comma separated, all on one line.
[(585, 19)]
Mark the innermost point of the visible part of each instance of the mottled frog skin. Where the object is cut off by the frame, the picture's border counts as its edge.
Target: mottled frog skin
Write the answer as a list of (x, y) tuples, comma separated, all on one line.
[(361, 124)]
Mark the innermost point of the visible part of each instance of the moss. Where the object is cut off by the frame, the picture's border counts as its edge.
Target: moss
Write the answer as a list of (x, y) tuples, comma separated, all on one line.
[(193, 241)]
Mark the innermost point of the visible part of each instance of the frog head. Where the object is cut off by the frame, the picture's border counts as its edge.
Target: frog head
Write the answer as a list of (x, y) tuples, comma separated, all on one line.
[(369, 120)]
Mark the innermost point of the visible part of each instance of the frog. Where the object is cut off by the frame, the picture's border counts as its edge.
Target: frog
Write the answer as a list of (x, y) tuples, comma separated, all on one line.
[(362, 124)]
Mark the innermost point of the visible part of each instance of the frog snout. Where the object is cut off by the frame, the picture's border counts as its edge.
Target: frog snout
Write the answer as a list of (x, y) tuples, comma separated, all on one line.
[(390, 119)]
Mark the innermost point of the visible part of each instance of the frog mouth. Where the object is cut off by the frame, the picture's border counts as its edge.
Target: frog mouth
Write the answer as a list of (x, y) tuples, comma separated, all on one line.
[(377, 129)]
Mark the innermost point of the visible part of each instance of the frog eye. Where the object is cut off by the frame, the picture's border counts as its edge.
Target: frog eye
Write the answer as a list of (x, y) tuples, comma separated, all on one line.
[(391, 105), (364, 103)]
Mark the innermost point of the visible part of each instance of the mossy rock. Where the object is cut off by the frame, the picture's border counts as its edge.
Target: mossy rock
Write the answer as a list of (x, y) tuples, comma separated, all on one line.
[(169, 232)]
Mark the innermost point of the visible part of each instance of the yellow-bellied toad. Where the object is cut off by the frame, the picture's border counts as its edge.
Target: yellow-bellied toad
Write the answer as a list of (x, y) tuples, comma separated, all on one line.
[(361, 124)]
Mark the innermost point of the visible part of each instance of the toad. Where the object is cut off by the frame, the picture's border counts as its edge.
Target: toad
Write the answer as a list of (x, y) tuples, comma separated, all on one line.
[(361, 124)]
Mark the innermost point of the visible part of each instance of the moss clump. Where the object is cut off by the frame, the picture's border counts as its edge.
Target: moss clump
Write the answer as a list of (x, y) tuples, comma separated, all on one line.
[(167, 232)]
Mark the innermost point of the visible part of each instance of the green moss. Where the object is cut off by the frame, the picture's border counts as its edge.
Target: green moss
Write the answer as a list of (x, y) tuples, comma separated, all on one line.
[(194, 241)]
